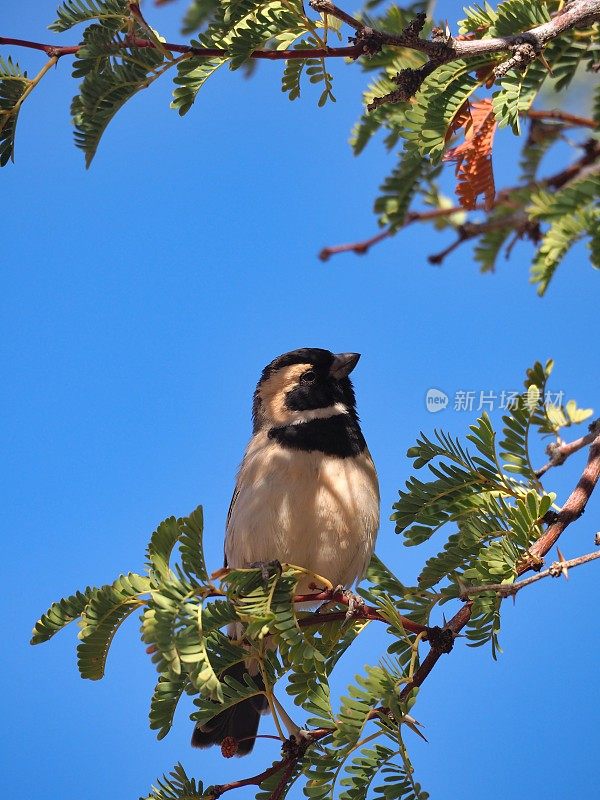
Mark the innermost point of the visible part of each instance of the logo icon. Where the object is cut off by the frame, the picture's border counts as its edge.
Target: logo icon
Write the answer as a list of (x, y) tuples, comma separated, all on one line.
[(436, 400)]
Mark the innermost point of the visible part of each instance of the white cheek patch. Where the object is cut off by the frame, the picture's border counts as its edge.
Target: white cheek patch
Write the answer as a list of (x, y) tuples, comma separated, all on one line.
[(318, 413)]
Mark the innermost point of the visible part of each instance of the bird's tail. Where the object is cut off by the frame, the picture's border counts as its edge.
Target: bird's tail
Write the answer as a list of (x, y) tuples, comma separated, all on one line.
[(239, 722)]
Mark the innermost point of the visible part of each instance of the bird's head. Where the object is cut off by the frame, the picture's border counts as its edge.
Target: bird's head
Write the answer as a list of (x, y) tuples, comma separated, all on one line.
[(303, 385)]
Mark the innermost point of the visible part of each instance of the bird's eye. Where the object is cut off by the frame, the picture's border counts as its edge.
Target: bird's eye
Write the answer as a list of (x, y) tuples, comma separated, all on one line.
[(309, 377)]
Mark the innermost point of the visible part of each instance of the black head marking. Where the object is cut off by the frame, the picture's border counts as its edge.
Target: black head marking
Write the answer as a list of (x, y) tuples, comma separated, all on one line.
[(324, 383), (339, 436), (318, 388)]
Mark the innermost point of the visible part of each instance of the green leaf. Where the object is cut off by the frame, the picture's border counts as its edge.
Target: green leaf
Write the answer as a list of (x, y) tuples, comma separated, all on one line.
[(198, 14), (98, 50), (436, 104), (190, 545), (60, 614), (561, 236), (106, 610), (517, 16), (517, 93), (360, 773), (13, 84), (461, 485), (478, 18), (251, 594), (73, 12), (308, 683), (261, 25), (193, 653), (192, 74), (102, 94), (176, 786), (165, 698), (398, 190), (572, 213), (292, 73), (161, 545), (234, 692)]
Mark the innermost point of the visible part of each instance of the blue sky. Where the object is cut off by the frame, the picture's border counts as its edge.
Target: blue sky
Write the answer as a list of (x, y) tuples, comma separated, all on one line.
[(141, 300)]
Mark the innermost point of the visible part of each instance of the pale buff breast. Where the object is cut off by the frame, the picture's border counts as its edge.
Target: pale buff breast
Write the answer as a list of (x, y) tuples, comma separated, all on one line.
[(317, 511)]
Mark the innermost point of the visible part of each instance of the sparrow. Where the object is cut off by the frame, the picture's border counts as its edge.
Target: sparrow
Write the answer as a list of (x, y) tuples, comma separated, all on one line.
[(306, 494)]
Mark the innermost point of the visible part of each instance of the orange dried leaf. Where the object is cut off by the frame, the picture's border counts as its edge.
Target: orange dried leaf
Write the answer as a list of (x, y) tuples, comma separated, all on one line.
[(473, 158), (462, 119)]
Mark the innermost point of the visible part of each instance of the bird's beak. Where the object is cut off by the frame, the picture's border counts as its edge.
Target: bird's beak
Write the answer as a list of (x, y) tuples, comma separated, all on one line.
[(343, 364)]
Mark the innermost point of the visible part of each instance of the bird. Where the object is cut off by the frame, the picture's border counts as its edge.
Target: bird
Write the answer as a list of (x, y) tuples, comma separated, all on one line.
[(306, 494)]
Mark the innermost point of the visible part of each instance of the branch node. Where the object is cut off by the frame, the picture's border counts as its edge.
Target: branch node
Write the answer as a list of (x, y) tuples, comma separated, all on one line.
[(525, 49), (440, 639), (369, 41)]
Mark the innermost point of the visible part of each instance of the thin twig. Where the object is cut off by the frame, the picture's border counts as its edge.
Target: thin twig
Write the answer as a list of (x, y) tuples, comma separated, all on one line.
[(32, 84), (293, 751), (562, 116), (362, 247), (560, 567), (590, 156), (360, 611), (559, 451), (351, 51)]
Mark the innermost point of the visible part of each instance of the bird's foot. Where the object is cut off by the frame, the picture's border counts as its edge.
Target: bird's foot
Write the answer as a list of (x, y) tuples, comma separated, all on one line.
[(354, 602), (267, 568)]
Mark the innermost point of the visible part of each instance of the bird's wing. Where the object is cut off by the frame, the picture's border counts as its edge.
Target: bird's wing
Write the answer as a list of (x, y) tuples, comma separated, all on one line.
[(236, 493)]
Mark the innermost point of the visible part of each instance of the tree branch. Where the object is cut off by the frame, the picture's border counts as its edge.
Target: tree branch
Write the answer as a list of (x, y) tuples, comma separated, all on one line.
[(562, 116), (572, 509), (352, 51), (524, 46), (470, 230), (292, 750), (555, 570), (559, 451), (362, 247), (357, 610)]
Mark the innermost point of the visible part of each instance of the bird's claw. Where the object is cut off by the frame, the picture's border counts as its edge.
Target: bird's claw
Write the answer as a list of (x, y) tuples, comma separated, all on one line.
[(266, 568), (354, 602)]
